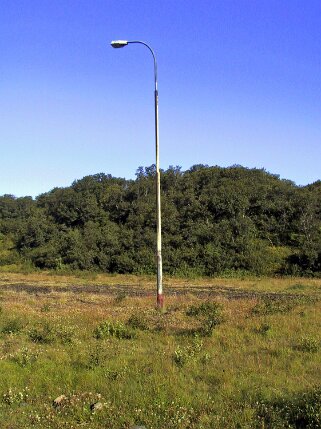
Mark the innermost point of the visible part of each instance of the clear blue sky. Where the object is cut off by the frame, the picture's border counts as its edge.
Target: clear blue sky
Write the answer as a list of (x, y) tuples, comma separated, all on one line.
[(239, 83)]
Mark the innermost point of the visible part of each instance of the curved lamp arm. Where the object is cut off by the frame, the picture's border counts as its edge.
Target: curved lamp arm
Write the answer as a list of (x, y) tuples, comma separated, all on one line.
[(123, 43)]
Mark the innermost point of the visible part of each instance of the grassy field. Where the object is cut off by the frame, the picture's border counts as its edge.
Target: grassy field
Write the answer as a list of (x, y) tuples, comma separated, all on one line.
[(247, 356)]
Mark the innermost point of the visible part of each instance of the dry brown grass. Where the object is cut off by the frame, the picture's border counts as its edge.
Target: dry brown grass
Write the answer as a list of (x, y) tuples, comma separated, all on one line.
[(177, 379), (260, 284)]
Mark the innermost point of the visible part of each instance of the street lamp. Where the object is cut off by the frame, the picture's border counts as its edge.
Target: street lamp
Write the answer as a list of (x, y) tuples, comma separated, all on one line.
[(160, 298)]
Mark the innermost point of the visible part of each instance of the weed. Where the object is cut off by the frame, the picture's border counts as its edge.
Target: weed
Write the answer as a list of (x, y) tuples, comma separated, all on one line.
[(180, 356), (138, 321), (271, 305), (96, 357), (184, 354), (120, 297), (65, 334), (209, 314), (13, 326), (205, 358), (161, 321), (113, 329), (45, 308), (303, 410), (209, 310), (297, 286), (8, 345), (43, 334), (308, 344), (47, 333), (263, 329), (117, 374), (86, 275), (14, 396), (25, 357)]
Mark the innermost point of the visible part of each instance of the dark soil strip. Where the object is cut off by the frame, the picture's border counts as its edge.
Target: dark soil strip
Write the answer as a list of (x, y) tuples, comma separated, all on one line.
[(132, 291)]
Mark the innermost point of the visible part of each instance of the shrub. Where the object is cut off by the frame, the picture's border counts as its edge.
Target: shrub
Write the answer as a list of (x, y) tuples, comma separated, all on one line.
[(208, 309), (301, 411), (209, 315), (25, 357), (308, 344), (14, 396), (297, 286), (45, 308), (120, 297), (48, 334), (13, 326), (263, 329), (138, 321), (43, 334), (64, 334), (184, 354), (109, 329), (180, 356), (97, 357), (275, 305), (117, 374)]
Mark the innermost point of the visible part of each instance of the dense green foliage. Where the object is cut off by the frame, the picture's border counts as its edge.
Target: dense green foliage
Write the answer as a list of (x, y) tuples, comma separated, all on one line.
[(215, 221)]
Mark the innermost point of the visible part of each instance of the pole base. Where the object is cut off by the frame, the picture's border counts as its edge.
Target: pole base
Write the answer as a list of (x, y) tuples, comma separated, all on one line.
[(160, 301)]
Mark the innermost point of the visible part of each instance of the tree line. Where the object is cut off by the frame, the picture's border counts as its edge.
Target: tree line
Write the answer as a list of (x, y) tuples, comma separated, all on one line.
[(214, 221)]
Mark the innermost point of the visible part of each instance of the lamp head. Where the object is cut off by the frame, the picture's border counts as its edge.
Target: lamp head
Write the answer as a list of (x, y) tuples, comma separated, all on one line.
[(119, 43)]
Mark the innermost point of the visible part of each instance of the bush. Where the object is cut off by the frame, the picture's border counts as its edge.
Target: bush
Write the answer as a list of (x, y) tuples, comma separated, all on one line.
[(97, 357), (207, 309), (184, 354), (109, 329), (43, 334), (262, 259), (13, 326), (275, 305), (138, 321), (301, 411), (14, 396), (48, 334), (308, 344), (263, 329), (120, 297), (209, 315), (25, 357)]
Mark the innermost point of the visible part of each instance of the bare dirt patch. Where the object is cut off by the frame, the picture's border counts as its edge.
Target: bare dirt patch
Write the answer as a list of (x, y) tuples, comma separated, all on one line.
[(129, 290)]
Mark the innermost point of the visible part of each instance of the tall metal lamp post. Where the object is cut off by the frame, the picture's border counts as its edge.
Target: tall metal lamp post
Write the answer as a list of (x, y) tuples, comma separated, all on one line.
[(160, 298)]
